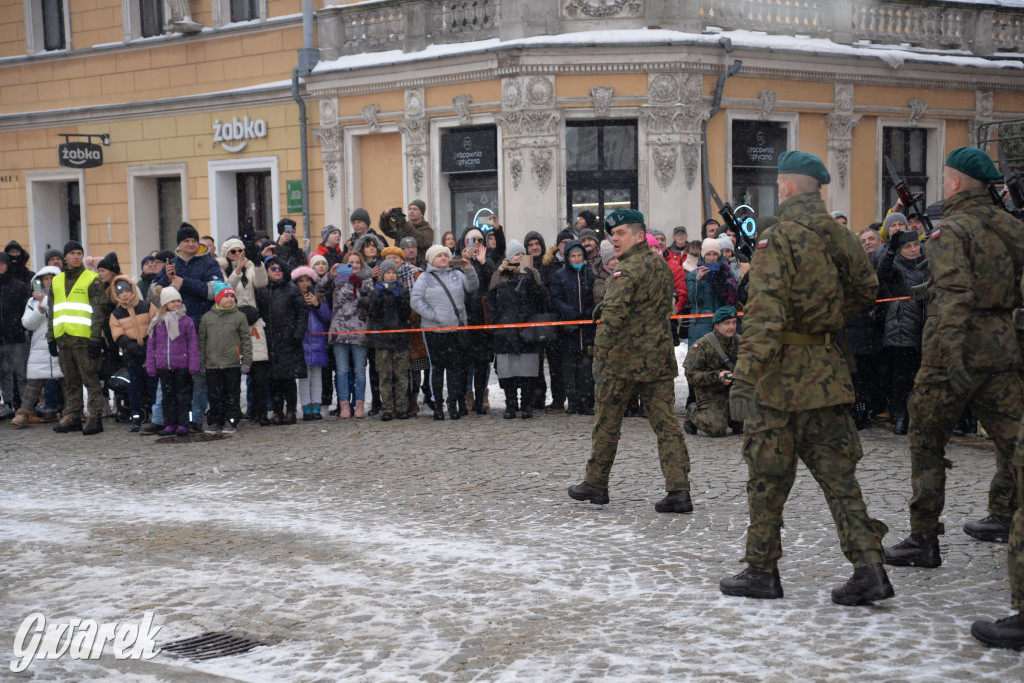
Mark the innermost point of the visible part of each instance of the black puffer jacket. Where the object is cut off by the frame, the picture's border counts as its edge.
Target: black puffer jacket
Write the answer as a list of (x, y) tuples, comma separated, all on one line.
[(389, 311), (19, 264), (904, 319), (514, 297), (13, 295), (572, 297), (478, 342), (286, 315)]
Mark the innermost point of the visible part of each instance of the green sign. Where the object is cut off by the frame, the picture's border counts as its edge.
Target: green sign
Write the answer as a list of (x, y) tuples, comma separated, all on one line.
[(294, 196)]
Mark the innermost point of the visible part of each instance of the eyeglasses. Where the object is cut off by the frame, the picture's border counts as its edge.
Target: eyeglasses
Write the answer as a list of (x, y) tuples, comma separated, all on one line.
[(235, 251), (275, 269)]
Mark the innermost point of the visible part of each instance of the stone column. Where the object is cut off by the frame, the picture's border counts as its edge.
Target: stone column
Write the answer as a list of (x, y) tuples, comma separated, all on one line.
[(332, 154), (671, 156), (416, 138), (530, 135), (841, 123)]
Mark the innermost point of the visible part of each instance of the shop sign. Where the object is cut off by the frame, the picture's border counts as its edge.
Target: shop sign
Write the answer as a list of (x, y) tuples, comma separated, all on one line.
[(294, 189), (469, 151), (79, 155), (234, 134)]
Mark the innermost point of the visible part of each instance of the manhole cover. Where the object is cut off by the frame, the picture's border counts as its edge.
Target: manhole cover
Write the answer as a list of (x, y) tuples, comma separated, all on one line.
[(191, 438), (211, 646)]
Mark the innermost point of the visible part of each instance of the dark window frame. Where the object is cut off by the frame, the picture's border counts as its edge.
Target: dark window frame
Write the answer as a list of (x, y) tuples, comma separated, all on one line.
[(603, 179)]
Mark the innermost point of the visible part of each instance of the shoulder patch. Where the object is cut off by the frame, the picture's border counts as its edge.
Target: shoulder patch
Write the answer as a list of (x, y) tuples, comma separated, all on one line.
[(936, 234), (617, 273), (761, 244), (695, 345)]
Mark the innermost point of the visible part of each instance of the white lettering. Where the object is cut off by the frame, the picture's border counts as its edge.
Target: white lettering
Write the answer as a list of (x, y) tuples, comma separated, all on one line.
[(81, 645), (238, 131), (82, 639), (145, 646), (105, 633), (34, 622)]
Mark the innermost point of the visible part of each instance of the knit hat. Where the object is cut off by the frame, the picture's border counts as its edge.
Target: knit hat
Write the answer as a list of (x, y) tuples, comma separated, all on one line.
[(607, 252), (723, 313), (316, 258), (284, 224), (565, 235), (473, 234), (726, 242), (656, 233), (72, 245), (304, 271), (386, 265), (652, 241), (187, 231), (710, 244), (894, 217), (587, 233), (419, 203), (110, 263), (50, 253), (407, 242), (167, 295), (436, 251), (233, 243), (220, 290), (393, 251), (360, 215), (514, 247), (148, 258), (327, 230)]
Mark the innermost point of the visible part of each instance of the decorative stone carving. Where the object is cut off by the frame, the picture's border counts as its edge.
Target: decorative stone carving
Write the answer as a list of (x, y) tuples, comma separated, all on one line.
[(666, 159), (461, 105), (511, 94), (691, 163), (663, 89), (180, 18), (414, 130), (370, 113), (331, 154), (983, 110), (602, 101), (329, 112), (417, 165), (540, 91), (767, 98), (329, 138), (693, 89), (841, 123), (332, 183), (602, 9), (529, 123), (414, 104), (542, 167), (515, 167), (917, 109)]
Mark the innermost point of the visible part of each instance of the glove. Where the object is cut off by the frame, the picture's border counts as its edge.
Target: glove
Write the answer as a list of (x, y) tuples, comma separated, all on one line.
[(95, 349), (959, 379), (919, 292), (742, 402), (53, 348), (356, 281), (133, 350), (122, 342), (245, 369), (597, 312)]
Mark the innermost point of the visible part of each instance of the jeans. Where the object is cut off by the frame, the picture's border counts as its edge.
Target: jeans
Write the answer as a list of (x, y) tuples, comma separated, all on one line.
[(342, 353)]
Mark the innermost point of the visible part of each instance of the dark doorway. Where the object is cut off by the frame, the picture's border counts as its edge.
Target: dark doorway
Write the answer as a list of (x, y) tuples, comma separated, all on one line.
[(255, 205)]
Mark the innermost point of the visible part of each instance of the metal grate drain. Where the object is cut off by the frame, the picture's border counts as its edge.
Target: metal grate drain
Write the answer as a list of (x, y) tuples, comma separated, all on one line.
[(191, 438), (211, 646)]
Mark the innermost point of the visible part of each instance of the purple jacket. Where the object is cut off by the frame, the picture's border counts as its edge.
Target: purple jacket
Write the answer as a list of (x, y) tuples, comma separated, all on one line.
[(314, 346), (180, 354)]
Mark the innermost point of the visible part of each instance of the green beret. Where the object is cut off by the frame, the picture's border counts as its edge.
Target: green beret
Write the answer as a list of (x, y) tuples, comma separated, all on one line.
[(623, 217), (723, 313), (975, 163), (804, 164)]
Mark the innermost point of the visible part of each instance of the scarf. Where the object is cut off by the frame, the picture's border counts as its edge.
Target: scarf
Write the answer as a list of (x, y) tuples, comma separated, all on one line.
[(169, 318)]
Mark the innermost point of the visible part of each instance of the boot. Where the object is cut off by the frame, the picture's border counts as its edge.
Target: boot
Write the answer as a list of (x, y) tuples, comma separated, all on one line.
[(360, 411), (307, 412), (136, 423), (510, 403), (753, 583), (469, 398), (277, 419), (916, 550), (867, 584), (315, 412), (675, 501), (991, 529), (438, 412), (68, 424), (487, 400), (478, 408), (453, 409), (1006, 633), (584, 491), (289, 419), (93, 426), (526, 404), (375, 404), (861, 419), (463, 410), (688, 425), (264, 422), (23, 418), (386, 417), (344, 410), (900, 427), (154, 428)]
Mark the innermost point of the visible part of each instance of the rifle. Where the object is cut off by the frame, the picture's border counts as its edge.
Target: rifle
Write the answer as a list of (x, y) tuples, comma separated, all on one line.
[(908, 201), (1012, 182), (746, 230)]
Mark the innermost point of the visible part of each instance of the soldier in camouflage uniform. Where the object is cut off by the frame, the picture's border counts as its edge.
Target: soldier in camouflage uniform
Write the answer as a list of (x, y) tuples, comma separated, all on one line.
[(633, 352), (792, 384), (709, 364), (969, 356)]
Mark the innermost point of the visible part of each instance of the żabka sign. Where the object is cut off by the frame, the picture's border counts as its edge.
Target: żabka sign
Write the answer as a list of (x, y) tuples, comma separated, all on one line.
[(79, 155), (232, 135)]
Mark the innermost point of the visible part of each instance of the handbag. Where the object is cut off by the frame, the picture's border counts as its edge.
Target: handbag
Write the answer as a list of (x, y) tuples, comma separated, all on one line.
[(461, 336), (540, 335)]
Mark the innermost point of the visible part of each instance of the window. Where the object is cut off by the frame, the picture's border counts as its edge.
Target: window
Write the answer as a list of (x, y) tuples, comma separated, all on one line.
[(151, 18), (169, 216), (255, 209), (245, 10), (756, 146), (907, 148), (46, 26), (601, 167), (53, 24)]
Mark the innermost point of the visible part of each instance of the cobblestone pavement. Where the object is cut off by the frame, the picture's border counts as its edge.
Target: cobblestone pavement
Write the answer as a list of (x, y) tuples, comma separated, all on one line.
[(437, 551)]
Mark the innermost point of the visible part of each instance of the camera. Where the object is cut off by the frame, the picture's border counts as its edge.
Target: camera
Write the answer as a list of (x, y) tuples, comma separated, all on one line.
[(725, 378), (289, 228), (396, 213)]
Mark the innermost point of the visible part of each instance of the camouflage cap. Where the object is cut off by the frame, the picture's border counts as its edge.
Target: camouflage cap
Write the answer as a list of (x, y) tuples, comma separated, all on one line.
[(804, 164), (623, 217), (975, 163)]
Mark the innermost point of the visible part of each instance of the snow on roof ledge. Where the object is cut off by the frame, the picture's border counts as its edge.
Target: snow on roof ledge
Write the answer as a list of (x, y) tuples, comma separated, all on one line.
[(894, 56)]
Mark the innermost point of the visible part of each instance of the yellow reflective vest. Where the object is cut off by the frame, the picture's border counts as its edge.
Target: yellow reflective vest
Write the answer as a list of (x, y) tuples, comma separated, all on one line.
[(72, 313)]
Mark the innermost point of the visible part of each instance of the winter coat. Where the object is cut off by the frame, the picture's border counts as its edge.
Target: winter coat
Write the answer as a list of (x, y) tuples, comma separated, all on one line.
[(679, 285), (389, 310), (601, 283), (224, 339), (287, 316), (198, 274), (550, 264), (291, 254), (14, 293), (431, 302), (314, 343), (41, 365), (904, 319), (400, 227), (707, 295), (18, 265), (245, 296), (477, 343), (572, 298), (129, 324), (515, 297), (350, 302), (163, 353), (333, 256)]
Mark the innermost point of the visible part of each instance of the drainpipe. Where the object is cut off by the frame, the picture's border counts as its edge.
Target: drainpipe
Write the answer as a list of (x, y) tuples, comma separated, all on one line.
[(309, 55), (726, 44)]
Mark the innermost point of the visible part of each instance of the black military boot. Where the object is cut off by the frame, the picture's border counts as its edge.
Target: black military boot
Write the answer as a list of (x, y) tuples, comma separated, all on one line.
[(867, 584), (675, 501), (991, 529), (688, 425), (67, 425), (901, 427), (584, 491), (510, 400), (916, 550), (93, 426), (1006, 633), (453, 410), (753, 583)]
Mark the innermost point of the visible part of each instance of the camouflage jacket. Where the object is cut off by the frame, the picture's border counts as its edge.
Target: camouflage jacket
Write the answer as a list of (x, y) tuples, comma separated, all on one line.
[(805, 283), (703, 364), (634, 336), (974, 287)]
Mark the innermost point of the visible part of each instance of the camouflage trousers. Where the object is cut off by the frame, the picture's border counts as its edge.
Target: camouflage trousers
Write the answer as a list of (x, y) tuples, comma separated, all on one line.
[(611, 398), (393, 374), (79, 369), (711, 413), (1015, 548), (934, 409), (826, 440)]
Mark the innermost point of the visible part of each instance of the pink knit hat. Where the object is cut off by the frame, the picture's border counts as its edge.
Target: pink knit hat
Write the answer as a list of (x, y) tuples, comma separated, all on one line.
[(304, 271), (652, 241)]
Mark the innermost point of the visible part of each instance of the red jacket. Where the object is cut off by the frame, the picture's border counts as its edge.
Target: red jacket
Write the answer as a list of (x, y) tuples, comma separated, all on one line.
[(679, 282)]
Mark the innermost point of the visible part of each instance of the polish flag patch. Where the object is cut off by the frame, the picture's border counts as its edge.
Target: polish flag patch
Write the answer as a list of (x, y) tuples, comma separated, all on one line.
[(617, 273), (761, 244), (935, 235)]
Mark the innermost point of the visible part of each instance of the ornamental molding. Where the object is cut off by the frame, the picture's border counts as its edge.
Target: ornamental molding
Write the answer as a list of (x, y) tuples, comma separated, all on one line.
[(917, 109), (602, 101), (329, 138), (691, 162), (542, 167), (666, 158), (414, 107), (529, 123), (767, 100), (511, 93), (602, 9), (460, 103), (684, 120), (370, 113), (540, 91), (417, 171), (840, 124), (328, 113), (662, 88), (415, 132), (515, 167), (983, 111)]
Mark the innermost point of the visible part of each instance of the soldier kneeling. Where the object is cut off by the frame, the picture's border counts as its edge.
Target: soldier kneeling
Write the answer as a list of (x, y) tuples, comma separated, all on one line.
[(708, 366)]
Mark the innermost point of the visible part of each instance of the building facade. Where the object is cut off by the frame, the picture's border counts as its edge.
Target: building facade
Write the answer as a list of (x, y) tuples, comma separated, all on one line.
[(531, 109)]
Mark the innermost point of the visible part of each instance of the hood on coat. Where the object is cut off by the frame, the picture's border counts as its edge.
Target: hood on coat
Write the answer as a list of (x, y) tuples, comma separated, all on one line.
[(16, 260), (203, 251), (534, 235), (368, 236), (285, 269), (550, 255), (575, 244), (113, 297)]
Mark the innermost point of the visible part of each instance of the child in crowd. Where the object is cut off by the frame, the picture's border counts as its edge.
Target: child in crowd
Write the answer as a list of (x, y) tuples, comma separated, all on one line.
[(314, 344), (390, 310), (227, 354), (172, 354), (129, 328)]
